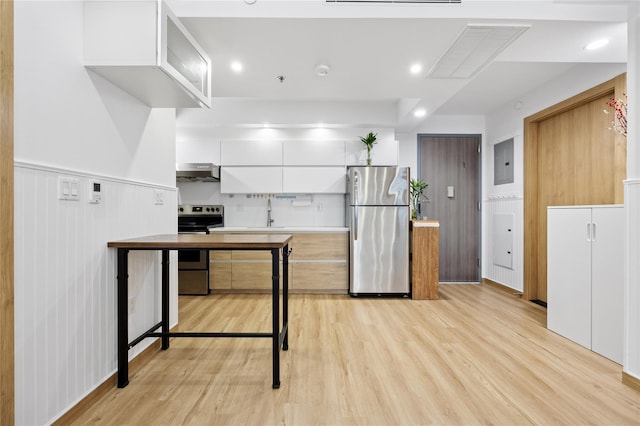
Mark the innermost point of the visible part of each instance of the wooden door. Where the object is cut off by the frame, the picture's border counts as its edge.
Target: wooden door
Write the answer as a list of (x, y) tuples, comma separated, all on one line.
[(452, 163), (570, 158)]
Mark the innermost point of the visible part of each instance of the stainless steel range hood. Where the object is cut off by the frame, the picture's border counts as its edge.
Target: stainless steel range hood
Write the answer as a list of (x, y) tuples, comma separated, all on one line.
[(203, 172)]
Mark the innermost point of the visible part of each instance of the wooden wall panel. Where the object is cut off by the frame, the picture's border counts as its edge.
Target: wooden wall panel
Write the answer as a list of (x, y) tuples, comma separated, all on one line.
[(571, 158), (7, 397)]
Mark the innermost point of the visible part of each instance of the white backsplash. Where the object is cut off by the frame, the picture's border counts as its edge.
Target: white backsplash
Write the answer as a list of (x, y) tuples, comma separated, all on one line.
[(251, 209)]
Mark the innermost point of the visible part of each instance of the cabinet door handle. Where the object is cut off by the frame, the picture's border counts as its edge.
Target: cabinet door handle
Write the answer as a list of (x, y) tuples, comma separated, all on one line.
[(593, 232), (589, 232)]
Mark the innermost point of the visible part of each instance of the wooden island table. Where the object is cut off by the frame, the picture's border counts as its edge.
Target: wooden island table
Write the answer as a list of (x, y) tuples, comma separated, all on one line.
[(218, 241)]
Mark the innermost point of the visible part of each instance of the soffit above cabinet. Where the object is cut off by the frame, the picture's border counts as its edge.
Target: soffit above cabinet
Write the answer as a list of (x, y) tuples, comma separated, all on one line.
[(145, 50)]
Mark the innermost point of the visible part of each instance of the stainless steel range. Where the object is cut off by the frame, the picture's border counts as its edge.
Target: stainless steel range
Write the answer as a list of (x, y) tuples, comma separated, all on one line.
[(193, 265)]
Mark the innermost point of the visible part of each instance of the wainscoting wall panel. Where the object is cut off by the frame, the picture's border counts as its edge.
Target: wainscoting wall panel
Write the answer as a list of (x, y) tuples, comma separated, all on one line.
[(501, 205), (65, 283)]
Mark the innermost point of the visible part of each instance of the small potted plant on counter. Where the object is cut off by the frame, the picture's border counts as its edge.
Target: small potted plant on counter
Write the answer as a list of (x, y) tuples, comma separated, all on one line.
[(369, 141), (416, 191)]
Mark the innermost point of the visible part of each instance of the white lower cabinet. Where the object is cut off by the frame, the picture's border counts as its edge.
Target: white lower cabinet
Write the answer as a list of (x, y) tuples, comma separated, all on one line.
[(585, 276)]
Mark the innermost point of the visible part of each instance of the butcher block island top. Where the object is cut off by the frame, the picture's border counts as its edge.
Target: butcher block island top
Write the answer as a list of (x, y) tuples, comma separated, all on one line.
[(205, 241)]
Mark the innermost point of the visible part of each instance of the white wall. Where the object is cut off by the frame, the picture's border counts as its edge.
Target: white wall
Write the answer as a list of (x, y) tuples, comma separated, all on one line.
[(70, 122)]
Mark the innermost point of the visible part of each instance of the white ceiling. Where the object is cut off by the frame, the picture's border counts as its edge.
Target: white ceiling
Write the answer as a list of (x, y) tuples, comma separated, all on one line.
[(371, 46)]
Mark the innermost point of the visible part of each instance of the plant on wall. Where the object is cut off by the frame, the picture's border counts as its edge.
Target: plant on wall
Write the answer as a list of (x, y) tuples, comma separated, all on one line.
[(417, 188), (619, 123), (369, 141)]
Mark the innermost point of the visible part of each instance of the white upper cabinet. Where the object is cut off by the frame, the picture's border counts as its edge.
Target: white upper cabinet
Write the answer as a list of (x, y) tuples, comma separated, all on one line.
[(314, 153), (314, 180), (384, 153), (251, 153), (144, 49), (251, 180)]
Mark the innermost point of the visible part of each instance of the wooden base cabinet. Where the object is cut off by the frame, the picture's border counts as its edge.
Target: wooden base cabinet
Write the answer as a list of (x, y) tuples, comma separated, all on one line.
[(425, 271), (318, 264), (585, 276)]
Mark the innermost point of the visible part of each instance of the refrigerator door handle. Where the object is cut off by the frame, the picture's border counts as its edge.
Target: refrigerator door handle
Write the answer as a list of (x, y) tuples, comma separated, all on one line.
[(356, 185), (355, 223)]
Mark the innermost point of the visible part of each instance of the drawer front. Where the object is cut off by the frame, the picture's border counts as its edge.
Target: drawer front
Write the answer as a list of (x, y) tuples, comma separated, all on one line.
[(320, 276), (321, 246)]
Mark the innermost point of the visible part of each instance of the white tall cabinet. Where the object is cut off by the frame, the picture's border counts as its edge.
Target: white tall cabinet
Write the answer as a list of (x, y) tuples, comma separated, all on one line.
[(585, 276)]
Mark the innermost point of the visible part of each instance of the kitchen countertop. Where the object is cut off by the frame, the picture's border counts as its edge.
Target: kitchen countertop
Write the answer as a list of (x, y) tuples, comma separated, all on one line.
[(284, 229)]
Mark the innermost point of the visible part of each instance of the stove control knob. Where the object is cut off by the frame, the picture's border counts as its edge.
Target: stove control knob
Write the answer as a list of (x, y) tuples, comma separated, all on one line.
[(217, 209), (181, 209)]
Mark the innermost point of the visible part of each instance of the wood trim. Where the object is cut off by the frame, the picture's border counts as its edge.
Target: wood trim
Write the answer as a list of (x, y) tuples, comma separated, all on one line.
[(615, 87), (135, 365), (7, 361), (631, 381)]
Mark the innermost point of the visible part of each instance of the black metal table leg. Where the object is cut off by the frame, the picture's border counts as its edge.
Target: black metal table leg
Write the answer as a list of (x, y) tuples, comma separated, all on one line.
[(123, 317), (165, 299), (285, 296), (275, 287)]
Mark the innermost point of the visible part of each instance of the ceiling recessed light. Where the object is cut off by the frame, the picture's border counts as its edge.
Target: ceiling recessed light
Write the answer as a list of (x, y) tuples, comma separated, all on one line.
[(236, 66), (596, 44), (415, 69), (420, 112)]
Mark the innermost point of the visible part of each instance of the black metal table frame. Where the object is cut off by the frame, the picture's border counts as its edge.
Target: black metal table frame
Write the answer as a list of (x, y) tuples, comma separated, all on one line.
[(280, 337)]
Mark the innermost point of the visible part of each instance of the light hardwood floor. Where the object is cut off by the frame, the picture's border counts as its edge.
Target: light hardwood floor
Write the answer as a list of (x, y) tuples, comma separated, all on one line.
[(476, 356)]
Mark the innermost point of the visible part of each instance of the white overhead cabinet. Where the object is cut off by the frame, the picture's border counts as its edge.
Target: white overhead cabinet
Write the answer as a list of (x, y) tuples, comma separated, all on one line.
[(251, 180), (585, 276), (144, 49), (251, 167), (315, 167), (314, 153), (275, 167), (314, 180), (251, 153)]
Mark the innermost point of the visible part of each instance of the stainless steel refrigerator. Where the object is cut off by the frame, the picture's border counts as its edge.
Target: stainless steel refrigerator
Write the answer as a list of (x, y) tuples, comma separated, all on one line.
[(378, 217)]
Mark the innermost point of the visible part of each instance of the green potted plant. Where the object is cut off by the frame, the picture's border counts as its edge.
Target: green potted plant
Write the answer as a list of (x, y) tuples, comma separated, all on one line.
[(369, 141), (416, 191)]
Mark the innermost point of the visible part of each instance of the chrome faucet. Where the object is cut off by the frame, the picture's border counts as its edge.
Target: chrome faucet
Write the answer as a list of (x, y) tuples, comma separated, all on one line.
[(269, 220)]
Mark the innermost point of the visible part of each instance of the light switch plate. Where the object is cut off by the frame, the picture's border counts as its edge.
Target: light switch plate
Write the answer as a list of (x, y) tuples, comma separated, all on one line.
[(158, 196), (68, 188)]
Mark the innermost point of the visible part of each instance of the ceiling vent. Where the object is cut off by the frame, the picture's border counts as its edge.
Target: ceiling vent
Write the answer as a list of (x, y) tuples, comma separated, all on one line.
[(474, 49), (398, 1)]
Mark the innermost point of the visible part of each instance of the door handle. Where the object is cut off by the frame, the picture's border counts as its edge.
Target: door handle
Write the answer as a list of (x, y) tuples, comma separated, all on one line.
[(355, 223), (356, 187)]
